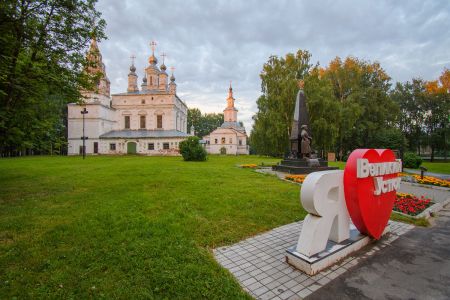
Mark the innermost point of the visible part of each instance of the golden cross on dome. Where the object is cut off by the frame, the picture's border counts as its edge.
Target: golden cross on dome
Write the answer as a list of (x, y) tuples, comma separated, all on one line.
[(163, 55), (153, 46), (132, 59)]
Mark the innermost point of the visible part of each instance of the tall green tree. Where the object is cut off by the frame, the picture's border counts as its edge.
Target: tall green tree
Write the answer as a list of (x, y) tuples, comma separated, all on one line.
[(410, 98), (323, 111), (362, 90), (279, 86), (42, 47), (203, 124), (437, 109)]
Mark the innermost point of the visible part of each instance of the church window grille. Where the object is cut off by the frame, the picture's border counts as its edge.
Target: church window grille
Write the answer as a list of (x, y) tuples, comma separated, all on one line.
[(215, 141), (165, 146), (112, 146), (142, 101), (240, 142), (127, 122), (151, 80), (231, 141), (223, 140), (151, 146), (142, 122), (159, 121), (95, 147)]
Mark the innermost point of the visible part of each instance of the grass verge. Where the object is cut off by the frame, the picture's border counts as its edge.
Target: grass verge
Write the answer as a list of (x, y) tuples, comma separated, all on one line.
[(131, 226)]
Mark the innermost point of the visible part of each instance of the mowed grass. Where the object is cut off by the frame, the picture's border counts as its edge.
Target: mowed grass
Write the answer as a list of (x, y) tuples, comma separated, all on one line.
[(437, 167), (131, 227)]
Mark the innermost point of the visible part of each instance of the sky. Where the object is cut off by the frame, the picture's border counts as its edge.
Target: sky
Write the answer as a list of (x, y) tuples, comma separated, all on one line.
[(211, 43)]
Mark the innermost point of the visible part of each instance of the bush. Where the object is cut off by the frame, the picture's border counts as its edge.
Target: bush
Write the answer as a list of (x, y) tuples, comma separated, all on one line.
[(411, 160), (191, 150)]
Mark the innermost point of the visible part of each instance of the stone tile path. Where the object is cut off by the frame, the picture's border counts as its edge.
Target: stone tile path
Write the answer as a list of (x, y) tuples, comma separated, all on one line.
[(259, 263)]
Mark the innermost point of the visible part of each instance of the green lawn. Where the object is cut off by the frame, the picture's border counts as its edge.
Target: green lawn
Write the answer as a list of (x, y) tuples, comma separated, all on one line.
[(437, 167), (131, 227)]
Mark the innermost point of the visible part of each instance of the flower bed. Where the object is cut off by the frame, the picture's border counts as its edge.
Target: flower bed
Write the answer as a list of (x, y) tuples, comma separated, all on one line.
[(432, 181), (296, 178), (252, 166), (410, 204)]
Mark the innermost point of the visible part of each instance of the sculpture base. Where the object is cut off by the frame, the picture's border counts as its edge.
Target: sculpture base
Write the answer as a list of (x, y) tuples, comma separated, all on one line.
[(303, 166), (333, 253)]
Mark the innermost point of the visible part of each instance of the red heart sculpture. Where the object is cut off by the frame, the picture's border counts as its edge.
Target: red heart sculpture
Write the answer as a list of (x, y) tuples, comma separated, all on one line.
[(370, 213)]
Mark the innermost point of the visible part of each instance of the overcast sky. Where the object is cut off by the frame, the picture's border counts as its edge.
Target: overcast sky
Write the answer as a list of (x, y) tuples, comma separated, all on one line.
[(211, 43)]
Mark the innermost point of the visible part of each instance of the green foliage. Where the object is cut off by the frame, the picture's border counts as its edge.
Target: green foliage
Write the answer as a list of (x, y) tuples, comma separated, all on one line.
[(411, 160), (279, 85), (348, 103), (361, 89), (42, 47), (203, 124), (74, 229), (423, 117), (389, 138), (323, 111), (191, 150)]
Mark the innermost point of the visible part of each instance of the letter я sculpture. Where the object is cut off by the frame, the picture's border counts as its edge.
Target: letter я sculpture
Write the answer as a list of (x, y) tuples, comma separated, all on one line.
[(300, 159)]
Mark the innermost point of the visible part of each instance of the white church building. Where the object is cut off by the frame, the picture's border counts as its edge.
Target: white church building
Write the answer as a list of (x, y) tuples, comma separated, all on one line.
[(230, 137), (151, 120)]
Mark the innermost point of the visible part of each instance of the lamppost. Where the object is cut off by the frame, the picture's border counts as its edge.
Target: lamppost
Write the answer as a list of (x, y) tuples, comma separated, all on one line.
[(84, 138)]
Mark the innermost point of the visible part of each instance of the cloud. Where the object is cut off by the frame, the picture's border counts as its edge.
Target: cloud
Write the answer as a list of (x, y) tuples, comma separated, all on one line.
[(212, 42)]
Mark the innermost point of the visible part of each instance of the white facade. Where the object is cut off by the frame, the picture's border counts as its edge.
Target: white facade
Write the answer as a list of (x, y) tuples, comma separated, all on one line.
[(150, 121), (230, 138)]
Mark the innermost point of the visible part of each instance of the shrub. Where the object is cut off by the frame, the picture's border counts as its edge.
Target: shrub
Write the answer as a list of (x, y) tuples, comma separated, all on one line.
[(411, 160), (191, 150)]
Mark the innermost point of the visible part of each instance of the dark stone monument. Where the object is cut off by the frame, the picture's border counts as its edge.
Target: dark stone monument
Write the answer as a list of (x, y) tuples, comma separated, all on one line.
[(301, 159)]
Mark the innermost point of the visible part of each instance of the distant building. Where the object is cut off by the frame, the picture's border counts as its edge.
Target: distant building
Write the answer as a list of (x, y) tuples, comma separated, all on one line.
[(230, 138), (151, 120)]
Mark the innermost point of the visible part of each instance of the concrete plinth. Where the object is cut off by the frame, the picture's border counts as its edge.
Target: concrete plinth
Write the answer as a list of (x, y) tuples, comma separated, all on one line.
[(303, 166), (333, 253)]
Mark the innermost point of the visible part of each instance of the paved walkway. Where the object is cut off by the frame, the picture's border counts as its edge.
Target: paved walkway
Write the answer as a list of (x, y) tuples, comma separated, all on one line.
[(438, 175), (259, 263), (416, 266)]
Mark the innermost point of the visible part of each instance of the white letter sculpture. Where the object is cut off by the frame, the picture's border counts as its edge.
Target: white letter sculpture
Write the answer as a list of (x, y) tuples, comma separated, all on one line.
[(322, 195)]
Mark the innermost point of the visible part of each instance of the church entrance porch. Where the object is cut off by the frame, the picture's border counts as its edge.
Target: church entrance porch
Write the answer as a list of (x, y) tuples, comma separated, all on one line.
[(131, 148)]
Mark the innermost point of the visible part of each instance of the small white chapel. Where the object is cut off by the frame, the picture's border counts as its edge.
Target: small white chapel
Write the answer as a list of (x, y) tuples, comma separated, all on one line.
[(151, 120), (230, 137)]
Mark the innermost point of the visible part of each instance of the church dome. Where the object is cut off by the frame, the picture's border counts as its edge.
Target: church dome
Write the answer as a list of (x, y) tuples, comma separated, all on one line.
[(133, 68), (172, 78), (144, 79), (152, 60), (163, 67)]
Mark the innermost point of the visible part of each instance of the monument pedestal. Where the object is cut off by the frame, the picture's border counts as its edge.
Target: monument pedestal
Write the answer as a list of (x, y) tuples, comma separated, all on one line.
[(303, 165), (333, 253)]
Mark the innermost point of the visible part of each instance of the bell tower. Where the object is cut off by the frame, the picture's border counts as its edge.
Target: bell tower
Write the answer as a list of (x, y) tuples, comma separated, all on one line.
[(230, 113)]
